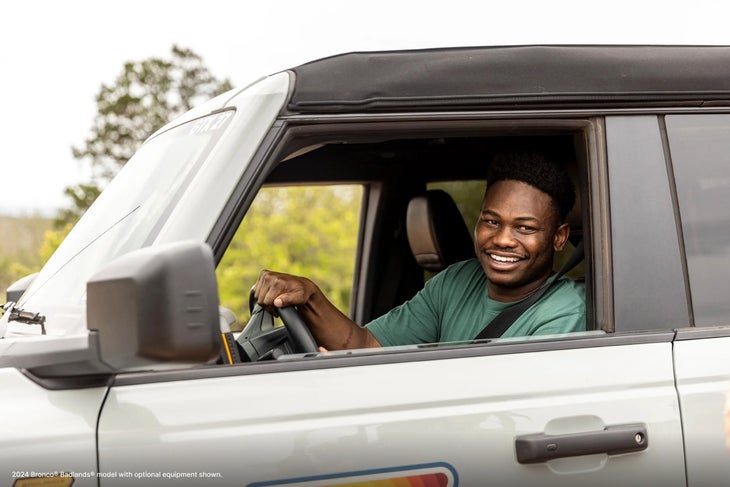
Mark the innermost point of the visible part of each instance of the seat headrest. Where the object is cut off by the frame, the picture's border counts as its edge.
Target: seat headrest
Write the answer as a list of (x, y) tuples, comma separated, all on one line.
[(437, 233)]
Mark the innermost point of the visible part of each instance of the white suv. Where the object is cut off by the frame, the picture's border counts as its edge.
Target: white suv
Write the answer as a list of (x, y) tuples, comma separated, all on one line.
[(119, 366)]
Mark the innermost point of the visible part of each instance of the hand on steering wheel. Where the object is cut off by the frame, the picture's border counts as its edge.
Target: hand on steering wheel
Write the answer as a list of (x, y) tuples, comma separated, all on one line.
[(300, 336)]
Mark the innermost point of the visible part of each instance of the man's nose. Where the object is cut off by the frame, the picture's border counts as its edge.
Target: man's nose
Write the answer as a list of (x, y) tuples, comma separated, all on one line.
[(504, 237)]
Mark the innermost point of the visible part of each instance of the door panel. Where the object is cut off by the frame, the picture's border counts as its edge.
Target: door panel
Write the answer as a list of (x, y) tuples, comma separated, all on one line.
[(48, 436), (456, 419), (703, 380)]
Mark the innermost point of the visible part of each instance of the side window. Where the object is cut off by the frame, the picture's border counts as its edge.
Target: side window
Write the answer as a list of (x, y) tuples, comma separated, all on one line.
[(700, 147), (310, 231)]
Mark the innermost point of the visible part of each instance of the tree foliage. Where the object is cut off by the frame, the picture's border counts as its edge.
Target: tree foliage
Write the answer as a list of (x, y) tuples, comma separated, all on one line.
[(19, 255), (81, 196), (146, 95), (305, 230)]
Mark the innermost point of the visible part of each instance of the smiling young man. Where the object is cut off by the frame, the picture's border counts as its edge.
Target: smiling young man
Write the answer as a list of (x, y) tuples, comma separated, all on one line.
[(521, 226)]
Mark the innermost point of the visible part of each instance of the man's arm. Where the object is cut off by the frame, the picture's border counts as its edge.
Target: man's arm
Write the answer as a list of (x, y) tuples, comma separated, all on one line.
[(330, 327)]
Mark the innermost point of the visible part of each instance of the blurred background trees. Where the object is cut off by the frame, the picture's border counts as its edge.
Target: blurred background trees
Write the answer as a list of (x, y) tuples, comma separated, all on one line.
[(305, 230), (319, 243), (144, 96), (20, 247)]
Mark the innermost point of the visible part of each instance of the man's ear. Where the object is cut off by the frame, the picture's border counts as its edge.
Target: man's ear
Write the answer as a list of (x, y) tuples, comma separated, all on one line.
[(561, 236)]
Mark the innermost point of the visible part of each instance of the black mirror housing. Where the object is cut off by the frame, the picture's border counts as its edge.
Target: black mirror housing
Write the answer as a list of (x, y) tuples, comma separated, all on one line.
[(157, 304)]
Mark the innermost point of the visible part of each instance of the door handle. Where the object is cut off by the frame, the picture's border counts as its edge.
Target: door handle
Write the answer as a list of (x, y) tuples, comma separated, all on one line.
[(612, 440)]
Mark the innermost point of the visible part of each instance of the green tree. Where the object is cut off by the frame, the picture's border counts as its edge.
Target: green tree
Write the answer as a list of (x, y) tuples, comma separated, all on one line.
[(306, 230), (19, 254), (146, 95), (81, 196)]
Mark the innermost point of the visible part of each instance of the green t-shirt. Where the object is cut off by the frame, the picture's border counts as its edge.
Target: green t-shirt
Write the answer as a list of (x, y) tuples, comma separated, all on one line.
[(454, 306)]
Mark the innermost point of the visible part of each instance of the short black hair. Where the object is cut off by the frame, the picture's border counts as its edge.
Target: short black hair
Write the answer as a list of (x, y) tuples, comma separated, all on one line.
[(538, 169)]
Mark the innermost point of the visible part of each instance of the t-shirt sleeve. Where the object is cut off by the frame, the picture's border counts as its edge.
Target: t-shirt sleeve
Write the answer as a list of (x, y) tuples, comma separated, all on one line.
[(413, 322)]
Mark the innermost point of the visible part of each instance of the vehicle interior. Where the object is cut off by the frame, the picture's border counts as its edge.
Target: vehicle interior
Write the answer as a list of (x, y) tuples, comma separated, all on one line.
[(420, 197)]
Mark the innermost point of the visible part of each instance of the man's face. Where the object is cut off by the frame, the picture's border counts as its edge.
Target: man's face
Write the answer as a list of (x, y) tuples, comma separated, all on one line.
[(516, 237)]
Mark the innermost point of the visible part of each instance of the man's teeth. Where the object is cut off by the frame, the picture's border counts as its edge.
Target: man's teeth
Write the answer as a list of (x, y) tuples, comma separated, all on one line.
[(500, 258)]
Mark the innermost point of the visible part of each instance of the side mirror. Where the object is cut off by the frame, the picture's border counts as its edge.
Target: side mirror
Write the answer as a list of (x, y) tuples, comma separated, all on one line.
[(16, 289), (157, 304)]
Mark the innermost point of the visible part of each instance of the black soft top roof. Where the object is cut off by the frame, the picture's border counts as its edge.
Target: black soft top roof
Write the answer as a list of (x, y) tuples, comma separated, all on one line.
[(513, 77)]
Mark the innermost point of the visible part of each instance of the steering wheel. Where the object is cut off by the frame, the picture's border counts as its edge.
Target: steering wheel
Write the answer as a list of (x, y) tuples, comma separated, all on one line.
[(300, 336)]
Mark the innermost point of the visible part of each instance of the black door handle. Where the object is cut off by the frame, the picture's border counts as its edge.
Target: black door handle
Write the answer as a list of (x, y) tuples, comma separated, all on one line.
[(612, 440)]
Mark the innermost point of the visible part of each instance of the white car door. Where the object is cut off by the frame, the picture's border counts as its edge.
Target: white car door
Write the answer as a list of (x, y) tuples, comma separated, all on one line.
[(444, 416), (48, 433), (703, 381)]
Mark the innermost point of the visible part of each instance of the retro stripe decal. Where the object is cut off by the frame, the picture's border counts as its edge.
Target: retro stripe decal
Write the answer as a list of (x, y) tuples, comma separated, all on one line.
[(426, 475)]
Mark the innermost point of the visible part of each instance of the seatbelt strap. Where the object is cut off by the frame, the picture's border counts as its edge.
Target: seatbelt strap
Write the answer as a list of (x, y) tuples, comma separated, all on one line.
[(504, 320)]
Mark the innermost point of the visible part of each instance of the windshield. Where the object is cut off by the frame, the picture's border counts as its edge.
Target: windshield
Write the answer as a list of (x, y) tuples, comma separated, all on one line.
[(128, 215), (173, 189)]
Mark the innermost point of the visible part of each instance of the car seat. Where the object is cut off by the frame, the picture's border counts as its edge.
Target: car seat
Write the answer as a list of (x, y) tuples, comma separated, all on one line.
[(437, 234)]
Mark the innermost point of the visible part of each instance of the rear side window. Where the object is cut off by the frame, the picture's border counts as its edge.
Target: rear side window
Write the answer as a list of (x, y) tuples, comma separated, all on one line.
[(700, 151)]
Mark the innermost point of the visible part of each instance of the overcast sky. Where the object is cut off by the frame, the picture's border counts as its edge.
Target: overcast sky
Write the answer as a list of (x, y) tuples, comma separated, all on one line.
[(54, 55)]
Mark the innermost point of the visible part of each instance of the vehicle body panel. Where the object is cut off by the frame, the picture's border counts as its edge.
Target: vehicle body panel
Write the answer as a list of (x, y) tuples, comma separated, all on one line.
[(703, 381), (47, 432), (463, 412)]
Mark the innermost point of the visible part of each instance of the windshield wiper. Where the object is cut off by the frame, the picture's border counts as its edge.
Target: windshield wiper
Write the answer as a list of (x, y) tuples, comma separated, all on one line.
[(23, 316)]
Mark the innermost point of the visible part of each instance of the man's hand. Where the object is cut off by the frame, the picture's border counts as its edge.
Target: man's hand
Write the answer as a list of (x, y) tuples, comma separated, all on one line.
[(332, 329), (279, 290)]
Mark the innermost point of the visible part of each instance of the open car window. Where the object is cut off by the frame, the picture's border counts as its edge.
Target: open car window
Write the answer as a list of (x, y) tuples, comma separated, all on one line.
[(334, 209), (304, 230)]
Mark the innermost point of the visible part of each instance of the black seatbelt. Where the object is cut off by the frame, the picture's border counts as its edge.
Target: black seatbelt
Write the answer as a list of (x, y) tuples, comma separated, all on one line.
[(504, 320)]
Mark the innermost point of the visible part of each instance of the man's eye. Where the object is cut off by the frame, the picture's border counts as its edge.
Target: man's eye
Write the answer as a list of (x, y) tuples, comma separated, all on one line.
[(491, 223), (526, 229)]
